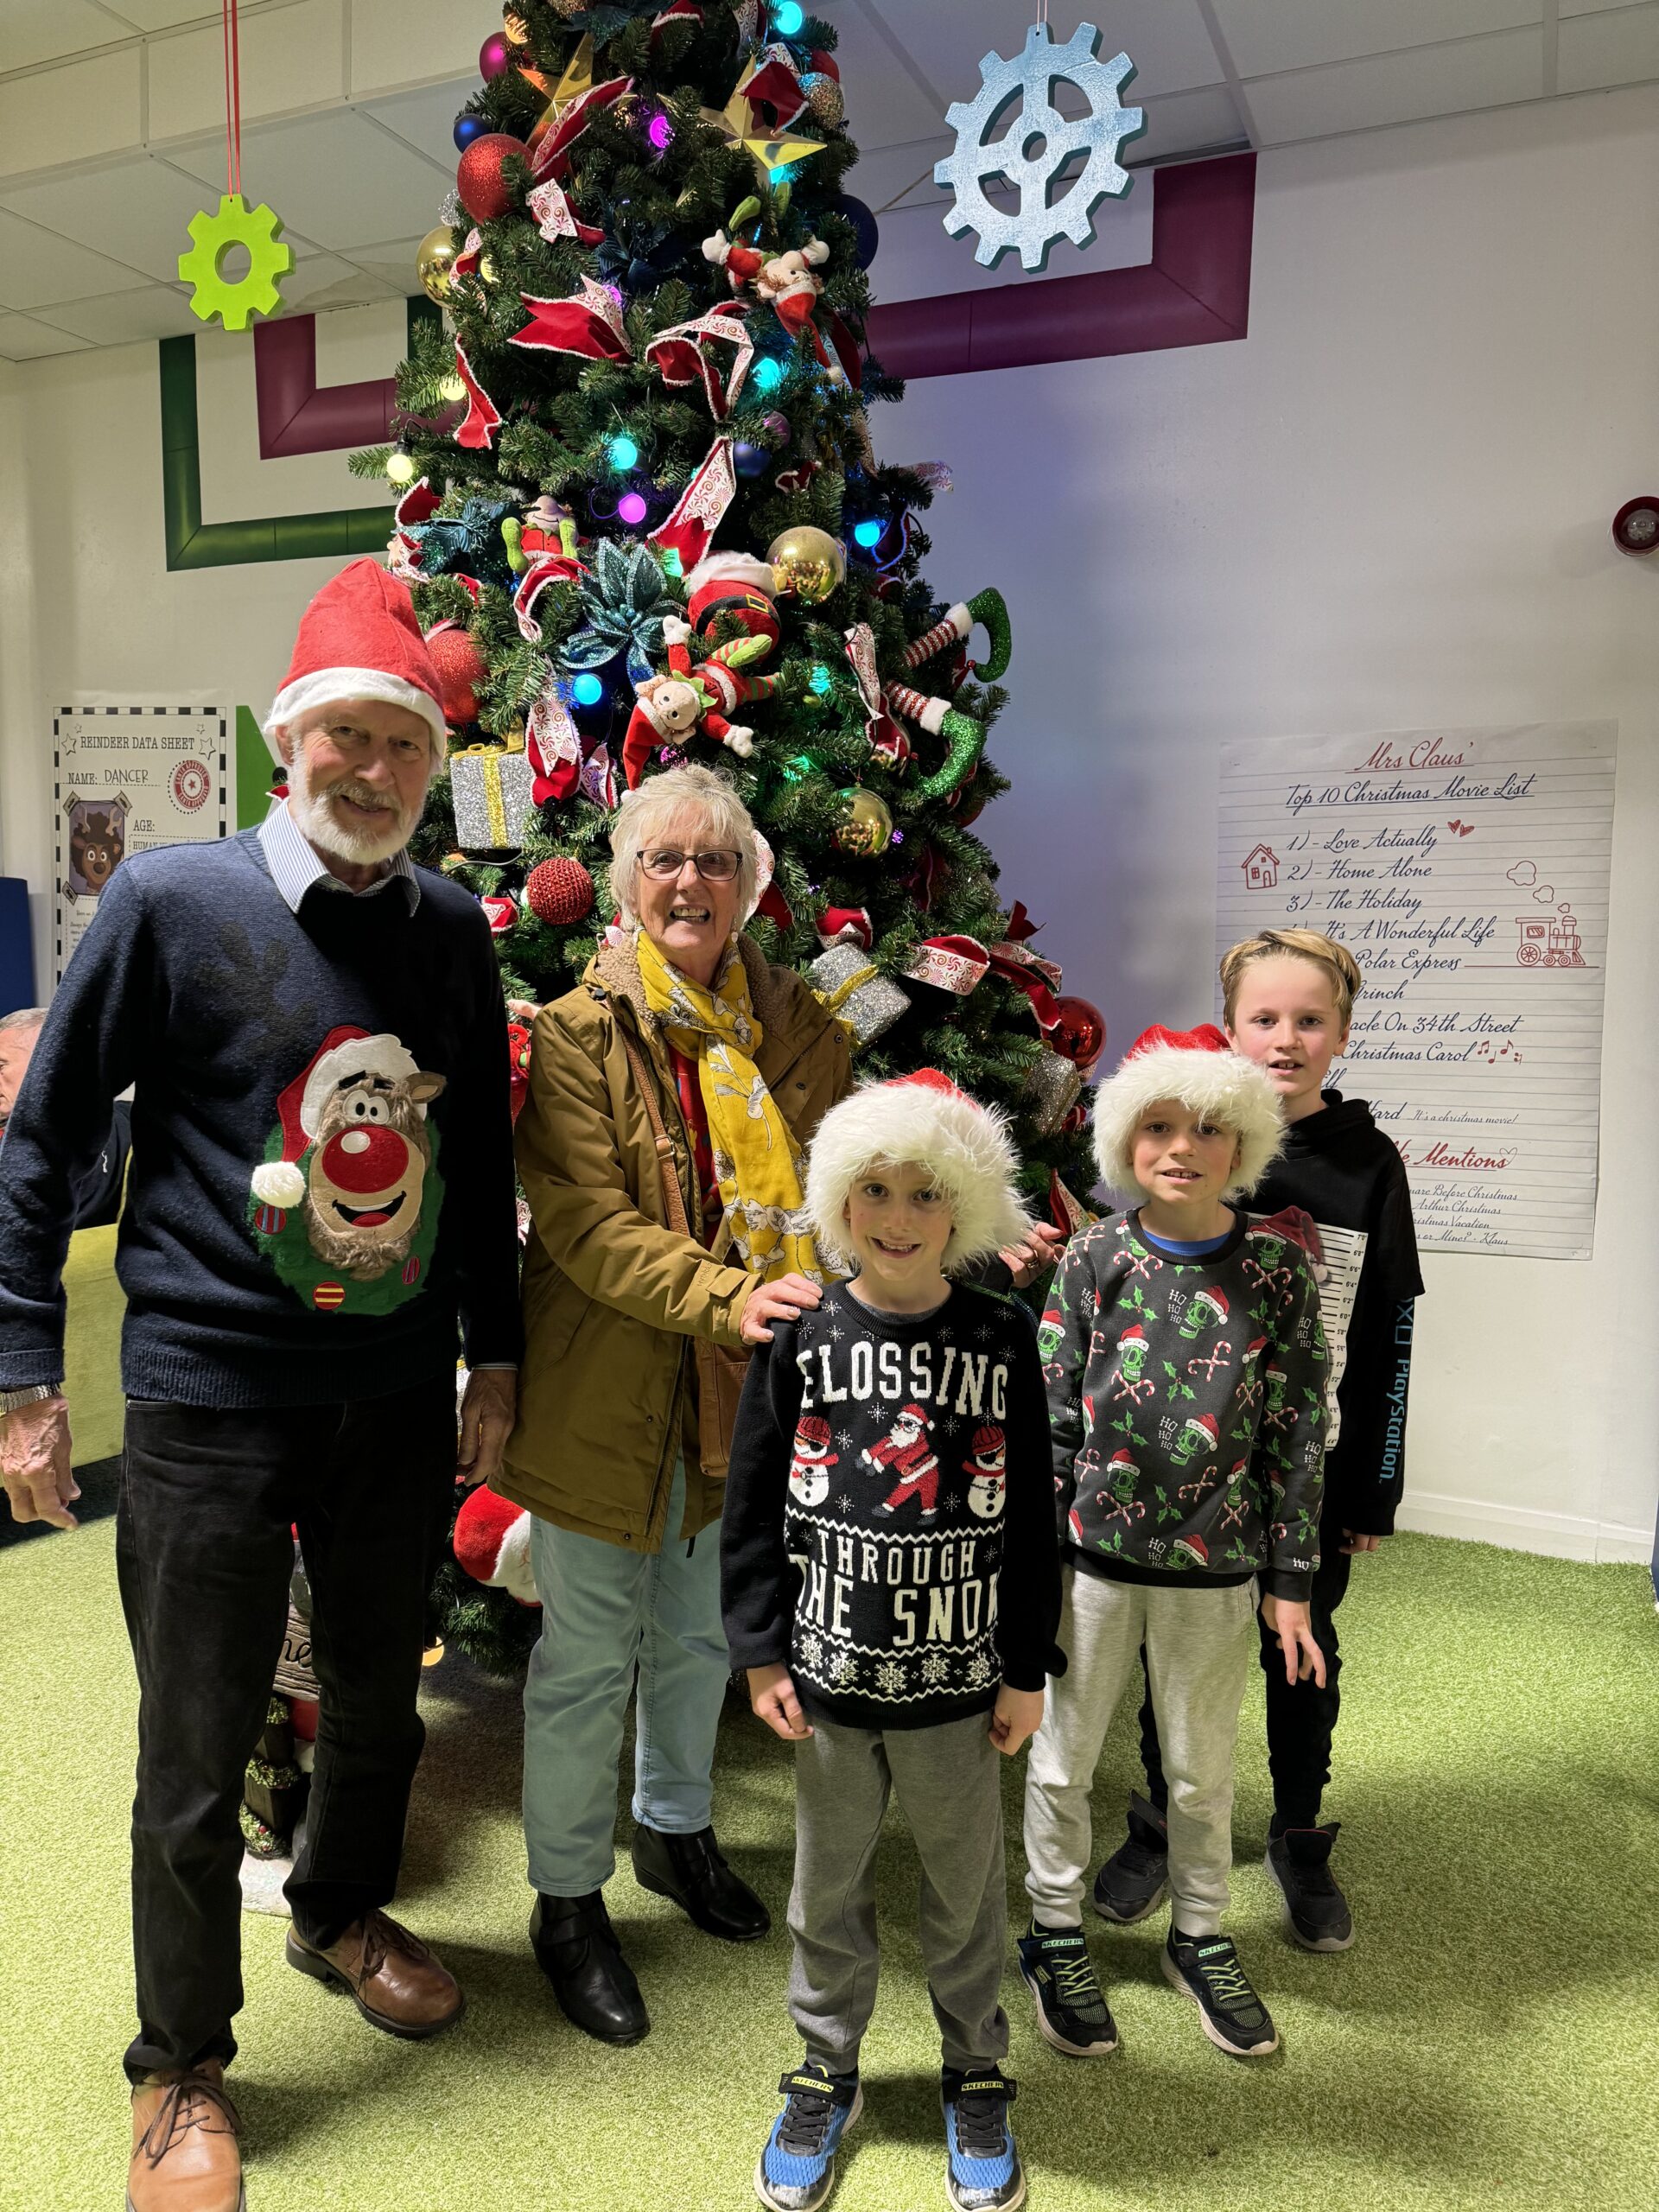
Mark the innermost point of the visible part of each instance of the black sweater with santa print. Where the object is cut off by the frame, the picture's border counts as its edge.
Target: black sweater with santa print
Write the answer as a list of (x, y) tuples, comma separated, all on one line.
[(888, 1532)]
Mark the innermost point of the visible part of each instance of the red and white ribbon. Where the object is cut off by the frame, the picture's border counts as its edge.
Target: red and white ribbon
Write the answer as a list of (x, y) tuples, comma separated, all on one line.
[(553, 746), (690, 528), (477, 428), (685, 352), (550, 151), (888, 743), (588, 323), (553, 569), (845, 925), (556, 219)]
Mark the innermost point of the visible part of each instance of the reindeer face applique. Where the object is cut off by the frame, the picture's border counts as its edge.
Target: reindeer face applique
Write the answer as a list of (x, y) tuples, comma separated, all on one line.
[(346, 1200)]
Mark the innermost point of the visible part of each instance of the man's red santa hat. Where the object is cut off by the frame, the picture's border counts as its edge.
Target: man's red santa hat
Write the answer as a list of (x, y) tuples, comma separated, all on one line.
[(359, 639)]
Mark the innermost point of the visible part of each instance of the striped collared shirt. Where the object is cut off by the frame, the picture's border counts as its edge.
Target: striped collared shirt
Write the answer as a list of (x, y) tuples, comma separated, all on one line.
[(297, 867)]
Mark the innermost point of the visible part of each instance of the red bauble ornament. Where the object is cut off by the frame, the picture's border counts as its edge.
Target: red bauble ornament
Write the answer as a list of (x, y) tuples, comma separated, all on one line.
[(485, 194), (559, 891), (460, 669), (1081, 1036)]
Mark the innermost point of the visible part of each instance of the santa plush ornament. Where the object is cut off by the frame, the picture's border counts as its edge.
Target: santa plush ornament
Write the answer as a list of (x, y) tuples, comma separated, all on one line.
[(811, 1461), (670, 709), (785, 282)]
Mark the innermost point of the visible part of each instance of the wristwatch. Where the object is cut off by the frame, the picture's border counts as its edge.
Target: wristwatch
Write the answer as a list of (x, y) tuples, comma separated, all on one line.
[(31, 1395)]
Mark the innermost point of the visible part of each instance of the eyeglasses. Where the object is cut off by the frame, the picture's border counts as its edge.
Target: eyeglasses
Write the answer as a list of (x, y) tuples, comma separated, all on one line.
[(713, 868)]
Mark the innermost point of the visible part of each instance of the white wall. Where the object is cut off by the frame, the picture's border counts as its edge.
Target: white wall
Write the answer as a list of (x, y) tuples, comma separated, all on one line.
[(1387, 509)]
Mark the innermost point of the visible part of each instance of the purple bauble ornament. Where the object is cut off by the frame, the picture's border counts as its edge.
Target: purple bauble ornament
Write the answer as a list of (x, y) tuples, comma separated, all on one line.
[(492, 57), (778, 425)]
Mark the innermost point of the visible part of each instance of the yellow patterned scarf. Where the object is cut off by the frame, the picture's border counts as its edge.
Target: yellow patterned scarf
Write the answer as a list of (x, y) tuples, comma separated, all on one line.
[(757, 1161)]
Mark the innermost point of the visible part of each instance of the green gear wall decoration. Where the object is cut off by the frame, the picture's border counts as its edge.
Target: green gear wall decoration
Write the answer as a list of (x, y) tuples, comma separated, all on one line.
[(256, 293)]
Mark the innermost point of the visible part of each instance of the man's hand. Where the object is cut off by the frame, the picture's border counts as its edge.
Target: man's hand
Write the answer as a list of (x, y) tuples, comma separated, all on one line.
[(1352, 1542), (35, 1463), (489, 1406), (772, 1694), (1290, 1624), (1015, 1718), (787, 1299), (1039, 1249)]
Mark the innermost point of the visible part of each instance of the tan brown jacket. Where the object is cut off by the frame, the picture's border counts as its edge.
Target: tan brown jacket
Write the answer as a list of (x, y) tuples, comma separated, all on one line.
[(613, 1297)]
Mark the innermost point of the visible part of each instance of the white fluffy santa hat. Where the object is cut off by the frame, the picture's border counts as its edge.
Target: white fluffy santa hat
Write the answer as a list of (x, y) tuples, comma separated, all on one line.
[(359, 639), (1200, 1068), (921, 1120)]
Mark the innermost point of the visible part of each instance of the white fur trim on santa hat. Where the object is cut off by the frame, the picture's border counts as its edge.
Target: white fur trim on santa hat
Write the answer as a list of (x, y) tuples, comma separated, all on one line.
[(384, 1055), (967, 1147), (325, 685), (732, 568), (1232, 1092)]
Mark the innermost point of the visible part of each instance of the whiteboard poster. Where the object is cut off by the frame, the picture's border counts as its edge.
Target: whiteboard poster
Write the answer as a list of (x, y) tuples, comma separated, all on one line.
[(1467, 872), (128, 778)]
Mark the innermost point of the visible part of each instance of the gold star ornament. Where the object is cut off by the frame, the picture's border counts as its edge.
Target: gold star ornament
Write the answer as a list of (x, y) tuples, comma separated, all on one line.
[(736, 125)]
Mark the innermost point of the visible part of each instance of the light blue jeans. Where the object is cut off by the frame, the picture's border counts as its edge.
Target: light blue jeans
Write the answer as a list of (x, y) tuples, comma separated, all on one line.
[(604, 1610)]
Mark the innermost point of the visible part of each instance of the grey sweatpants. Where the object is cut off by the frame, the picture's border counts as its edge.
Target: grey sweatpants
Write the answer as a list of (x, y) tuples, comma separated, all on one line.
[(1199, 1646), (949, 1790)]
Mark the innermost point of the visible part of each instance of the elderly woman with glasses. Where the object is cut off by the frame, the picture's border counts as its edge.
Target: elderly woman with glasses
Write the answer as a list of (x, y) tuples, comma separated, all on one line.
[(671, 1096)]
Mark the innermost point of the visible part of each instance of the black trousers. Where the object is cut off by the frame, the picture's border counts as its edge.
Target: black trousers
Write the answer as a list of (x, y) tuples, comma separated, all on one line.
[(203, 1556), (1302, 1717)]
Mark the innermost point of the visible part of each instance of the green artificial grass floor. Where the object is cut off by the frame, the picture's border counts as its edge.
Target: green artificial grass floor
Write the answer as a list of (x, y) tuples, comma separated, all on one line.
[(1492, 2038)]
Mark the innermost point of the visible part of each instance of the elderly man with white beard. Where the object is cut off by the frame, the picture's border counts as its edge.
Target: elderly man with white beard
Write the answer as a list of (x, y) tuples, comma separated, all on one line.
[(320, 1212)]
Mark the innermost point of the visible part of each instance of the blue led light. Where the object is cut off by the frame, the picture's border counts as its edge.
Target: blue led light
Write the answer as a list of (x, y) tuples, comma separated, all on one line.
[(587, 690), (788, 17), (623, 453), (821, 680), (868, 533), (768, 373)]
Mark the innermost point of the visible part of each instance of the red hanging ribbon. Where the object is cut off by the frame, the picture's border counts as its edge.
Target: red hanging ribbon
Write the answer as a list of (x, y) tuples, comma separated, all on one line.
[(588, 323), (550, 151), (483, 418), (232, 96)]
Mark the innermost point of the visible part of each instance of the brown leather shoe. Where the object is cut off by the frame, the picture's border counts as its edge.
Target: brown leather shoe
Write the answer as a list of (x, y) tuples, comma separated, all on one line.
[(392, 1979), (184, 2153)]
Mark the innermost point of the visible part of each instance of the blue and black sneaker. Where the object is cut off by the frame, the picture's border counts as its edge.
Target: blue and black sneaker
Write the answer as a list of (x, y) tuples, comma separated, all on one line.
[(1072, 2013), (983, 2172), (796, 2170)]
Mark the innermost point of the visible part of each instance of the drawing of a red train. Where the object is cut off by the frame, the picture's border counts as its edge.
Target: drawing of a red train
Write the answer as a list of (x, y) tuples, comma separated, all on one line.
[(1549, 941)]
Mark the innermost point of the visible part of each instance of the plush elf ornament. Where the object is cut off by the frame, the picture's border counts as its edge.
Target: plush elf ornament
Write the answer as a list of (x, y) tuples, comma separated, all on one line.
[(669, 709), (785, 282)]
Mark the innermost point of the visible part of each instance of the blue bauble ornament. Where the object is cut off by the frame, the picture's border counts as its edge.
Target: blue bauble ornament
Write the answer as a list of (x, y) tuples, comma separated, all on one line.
[(864, 222), (749, 459), (468, 127)]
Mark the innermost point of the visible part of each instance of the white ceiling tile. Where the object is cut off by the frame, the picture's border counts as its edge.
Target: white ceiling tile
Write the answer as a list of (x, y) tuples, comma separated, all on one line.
[(891, 96), (1300, 33), (1622, 48), (1398, 87), (426, 119), (399, 43), (323, 280), (1166, 40), (159, 311), (1187, 123), (37, 267), (1588, 7), (21, 339), (72, 114), (391, 263), (334, 179), (48, 30), (291, 58), (164, 15), (137, 211)]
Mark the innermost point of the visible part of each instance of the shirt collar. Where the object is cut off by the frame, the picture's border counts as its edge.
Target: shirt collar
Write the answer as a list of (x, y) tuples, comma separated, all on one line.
[(297, 867)]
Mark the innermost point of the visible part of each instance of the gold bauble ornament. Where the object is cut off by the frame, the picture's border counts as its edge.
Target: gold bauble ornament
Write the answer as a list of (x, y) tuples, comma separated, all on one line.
[(825, 98), (807, 562), (865, 824), (434, 258)]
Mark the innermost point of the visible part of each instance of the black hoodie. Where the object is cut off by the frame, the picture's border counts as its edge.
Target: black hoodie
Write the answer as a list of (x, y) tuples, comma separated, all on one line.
[(1339, 1168)]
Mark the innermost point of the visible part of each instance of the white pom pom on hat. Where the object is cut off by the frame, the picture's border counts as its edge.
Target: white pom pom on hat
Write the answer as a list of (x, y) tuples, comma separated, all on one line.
[(1200, 1068), (925, 1121)]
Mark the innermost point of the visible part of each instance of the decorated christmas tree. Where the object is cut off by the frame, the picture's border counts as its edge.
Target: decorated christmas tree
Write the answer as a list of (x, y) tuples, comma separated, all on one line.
[(643, 514)]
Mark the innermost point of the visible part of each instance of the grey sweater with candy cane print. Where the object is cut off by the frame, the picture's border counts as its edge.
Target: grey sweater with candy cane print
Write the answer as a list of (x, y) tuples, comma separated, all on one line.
[(1187, 1404)]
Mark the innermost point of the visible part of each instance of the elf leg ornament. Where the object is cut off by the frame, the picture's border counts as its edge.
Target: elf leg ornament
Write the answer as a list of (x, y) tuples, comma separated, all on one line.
[(966, 737), (986, 607)]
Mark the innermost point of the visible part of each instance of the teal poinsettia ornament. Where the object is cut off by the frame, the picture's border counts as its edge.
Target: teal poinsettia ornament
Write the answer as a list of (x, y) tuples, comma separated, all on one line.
[(626, 600)]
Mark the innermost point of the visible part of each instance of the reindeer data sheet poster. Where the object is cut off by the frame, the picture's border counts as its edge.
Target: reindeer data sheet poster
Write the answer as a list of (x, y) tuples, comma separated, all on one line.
[(1468, 872), (127, 778)]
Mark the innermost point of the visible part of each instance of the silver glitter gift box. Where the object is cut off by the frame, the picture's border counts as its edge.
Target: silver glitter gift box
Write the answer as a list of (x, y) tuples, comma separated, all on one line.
[(1052, 1090), (851, 987), (491, 792)]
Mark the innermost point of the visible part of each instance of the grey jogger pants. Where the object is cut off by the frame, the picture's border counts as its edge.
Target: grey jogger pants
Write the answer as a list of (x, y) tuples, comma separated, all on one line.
[(1200, 1645), (948, 1790)]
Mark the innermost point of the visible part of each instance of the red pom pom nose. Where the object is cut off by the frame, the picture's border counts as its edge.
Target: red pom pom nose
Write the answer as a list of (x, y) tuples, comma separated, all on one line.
[(366, 1160)]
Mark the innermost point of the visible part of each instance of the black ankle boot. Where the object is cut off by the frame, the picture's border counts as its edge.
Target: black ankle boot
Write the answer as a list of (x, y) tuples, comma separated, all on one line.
[(576, 1949), (689, 1871)]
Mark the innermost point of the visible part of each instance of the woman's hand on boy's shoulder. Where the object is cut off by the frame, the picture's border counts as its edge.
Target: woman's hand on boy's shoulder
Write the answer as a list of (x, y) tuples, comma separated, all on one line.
[(1039, 1249), (1015, 1718), (772, 1696)]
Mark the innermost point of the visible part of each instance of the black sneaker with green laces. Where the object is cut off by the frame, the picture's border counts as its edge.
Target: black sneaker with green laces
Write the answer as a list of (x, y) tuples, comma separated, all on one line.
[(1072, 2013), (1206, 1969)]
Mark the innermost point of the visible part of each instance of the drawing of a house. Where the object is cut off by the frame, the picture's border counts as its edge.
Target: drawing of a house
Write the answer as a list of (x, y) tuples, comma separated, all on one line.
[(1260, 867)]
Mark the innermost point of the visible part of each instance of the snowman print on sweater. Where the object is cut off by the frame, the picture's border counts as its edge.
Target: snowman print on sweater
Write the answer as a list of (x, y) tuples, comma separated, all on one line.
[(987, 1470), (811, 1461)]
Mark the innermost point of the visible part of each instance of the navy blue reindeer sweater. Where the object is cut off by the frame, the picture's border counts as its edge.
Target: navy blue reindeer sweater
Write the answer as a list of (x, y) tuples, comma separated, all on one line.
[(321, 1177), (888, 1530), (1187, 1403)]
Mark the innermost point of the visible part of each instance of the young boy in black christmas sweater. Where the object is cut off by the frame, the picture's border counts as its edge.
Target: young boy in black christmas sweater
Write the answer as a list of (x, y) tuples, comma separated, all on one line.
[(1187, 1371), (1288, 997), (891, 1584)]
